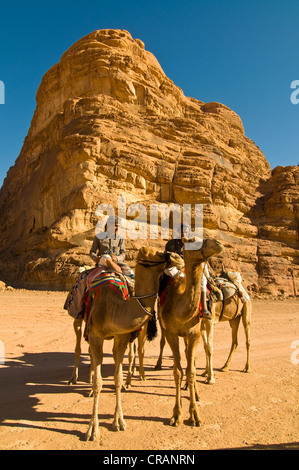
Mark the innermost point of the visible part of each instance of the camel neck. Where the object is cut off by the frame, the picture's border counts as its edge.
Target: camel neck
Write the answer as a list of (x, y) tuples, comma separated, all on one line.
[(192, 291), (145, 284)]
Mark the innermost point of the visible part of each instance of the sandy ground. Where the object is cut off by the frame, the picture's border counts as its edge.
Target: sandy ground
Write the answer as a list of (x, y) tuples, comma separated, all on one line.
[(38, 410)]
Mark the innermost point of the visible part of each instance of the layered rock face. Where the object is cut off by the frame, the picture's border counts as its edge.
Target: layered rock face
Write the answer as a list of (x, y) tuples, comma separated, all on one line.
[(109, 123)]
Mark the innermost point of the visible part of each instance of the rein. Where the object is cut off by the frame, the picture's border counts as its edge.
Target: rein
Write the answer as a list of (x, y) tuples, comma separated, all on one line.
[(149, 264)]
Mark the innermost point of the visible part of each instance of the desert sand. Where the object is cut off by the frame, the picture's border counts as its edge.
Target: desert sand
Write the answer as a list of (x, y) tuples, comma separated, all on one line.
[(39, 411)]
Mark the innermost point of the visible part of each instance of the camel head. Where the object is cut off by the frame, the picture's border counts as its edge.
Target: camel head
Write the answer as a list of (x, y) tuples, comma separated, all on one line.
[(210, 247), (159, 260)]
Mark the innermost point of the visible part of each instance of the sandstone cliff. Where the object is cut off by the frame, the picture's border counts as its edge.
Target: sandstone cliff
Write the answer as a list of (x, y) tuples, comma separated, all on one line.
[(109, 122)]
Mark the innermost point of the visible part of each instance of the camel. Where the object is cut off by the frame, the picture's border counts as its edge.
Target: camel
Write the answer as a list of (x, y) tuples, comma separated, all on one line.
[(112, 317), (180, 317), (232, 310)]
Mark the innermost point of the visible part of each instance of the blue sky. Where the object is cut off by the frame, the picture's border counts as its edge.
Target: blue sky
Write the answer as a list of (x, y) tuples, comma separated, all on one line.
[(243, 54)]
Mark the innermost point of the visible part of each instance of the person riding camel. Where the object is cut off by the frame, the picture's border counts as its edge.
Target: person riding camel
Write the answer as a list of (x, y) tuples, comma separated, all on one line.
[(108, 250), (176, 245)]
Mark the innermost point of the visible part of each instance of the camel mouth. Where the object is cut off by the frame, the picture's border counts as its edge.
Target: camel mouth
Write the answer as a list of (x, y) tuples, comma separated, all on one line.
[(219, 246)]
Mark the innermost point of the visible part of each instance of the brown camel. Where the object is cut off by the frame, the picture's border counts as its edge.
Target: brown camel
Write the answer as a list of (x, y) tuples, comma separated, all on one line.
[(112, 317), (179, 317), (232, 310)]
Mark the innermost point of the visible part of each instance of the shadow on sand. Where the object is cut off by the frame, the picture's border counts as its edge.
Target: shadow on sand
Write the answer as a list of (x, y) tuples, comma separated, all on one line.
[(25, 378)]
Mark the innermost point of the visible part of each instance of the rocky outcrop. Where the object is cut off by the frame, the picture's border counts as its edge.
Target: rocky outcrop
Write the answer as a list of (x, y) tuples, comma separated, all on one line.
[(109, 122)]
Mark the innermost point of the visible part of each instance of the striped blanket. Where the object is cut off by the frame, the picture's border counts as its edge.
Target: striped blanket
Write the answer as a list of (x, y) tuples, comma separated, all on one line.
[(104, 279)]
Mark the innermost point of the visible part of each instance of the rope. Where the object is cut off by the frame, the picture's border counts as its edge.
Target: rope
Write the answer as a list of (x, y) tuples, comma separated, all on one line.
[(144, 308)]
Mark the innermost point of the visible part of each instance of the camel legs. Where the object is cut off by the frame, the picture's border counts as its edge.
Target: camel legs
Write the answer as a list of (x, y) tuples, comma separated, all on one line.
[(192, 343), (234, 324), (246, 319), (132, 356), (178, 376), (141, 343), (158, 366), (186, 384), (132, 362), (78, 332), (119, 348), (96, 351), (207, 336)]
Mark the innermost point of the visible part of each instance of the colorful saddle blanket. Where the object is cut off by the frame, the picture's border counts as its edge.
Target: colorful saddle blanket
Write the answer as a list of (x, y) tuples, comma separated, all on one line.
[(103, 279)]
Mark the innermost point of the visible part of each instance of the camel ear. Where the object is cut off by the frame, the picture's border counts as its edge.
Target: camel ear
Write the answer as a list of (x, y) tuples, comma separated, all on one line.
[(144, 251), (188, 240)]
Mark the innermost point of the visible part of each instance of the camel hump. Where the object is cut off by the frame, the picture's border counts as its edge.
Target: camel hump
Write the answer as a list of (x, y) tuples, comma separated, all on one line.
[(146, 252)]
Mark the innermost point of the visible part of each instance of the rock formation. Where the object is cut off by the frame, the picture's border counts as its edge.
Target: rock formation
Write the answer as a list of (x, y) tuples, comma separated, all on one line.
[(109, 122)]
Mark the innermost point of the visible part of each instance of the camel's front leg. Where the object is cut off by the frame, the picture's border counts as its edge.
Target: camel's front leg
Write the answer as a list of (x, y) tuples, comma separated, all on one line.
[(96, 352), (78, 332), (193, 340), (119, 347), (158, 366), (141, 343), (176, 419), (186, 386), (207, 336), (131, 369)]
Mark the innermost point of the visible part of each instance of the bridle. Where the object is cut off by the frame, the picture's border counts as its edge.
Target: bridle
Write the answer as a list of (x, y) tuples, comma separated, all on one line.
[(149, 264), (202, 248)]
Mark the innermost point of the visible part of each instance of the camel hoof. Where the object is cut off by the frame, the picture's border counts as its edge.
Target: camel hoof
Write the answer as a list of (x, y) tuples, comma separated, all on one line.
[(210, 381), (72, 381), (92, 432), (247, 370), (119, 424), (158, 366), (195, 424), (194, 419), (224, 369), (175, 421)]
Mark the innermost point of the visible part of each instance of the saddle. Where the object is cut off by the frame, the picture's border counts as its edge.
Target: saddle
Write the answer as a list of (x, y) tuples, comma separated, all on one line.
[(101, 279), (227, 287)]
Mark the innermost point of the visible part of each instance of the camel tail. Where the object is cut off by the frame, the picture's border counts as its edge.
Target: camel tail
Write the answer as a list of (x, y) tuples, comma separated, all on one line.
[(152, 329)]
